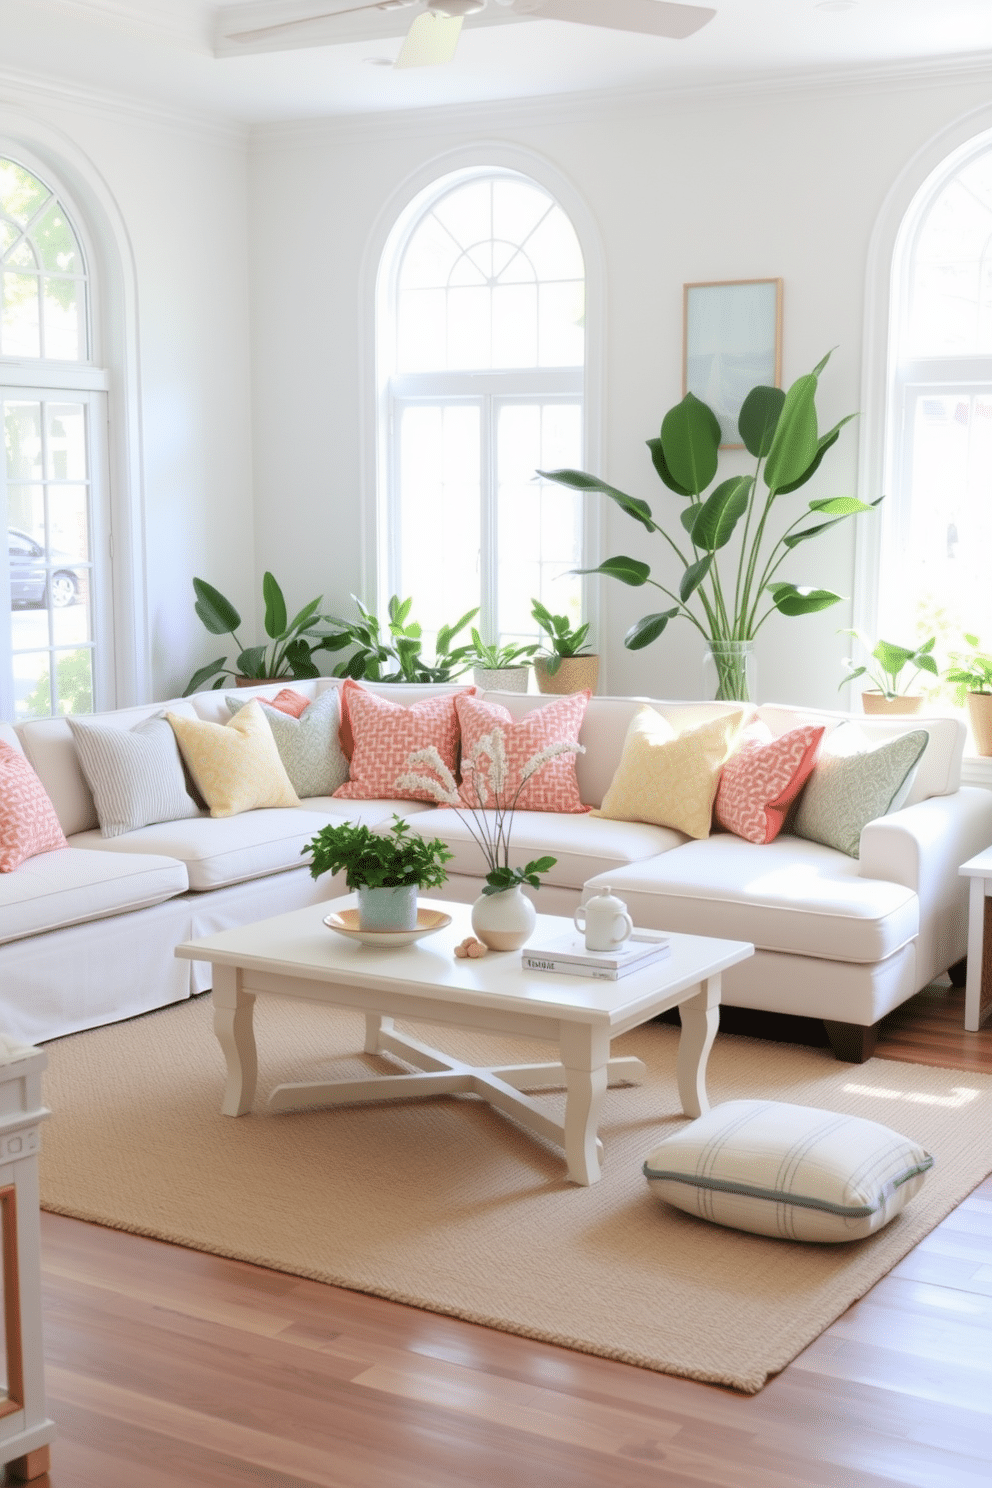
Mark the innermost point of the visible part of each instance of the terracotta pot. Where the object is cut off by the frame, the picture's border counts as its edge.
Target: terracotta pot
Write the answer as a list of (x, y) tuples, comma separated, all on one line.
[(501, 679), (260, 681), (575, 674), (877, 702), (980, 714)]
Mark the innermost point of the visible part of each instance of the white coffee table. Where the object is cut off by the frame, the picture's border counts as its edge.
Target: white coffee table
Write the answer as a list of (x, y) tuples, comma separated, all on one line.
[(295, 955)]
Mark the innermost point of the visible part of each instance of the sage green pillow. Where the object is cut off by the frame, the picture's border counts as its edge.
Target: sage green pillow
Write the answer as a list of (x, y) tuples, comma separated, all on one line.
[(846, 792), (308, 746)]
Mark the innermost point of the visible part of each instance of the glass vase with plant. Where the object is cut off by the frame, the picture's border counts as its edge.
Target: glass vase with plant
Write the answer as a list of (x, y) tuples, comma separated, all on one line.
[(488, 815), (885, 668), (727, 591), (385, 868)]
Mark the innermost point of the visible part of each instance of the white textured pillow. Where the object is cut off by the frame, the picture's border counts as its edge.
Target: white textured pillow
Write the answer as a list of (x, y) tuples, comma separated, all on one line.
[(136, 775), (789, 1171), (308, 746)]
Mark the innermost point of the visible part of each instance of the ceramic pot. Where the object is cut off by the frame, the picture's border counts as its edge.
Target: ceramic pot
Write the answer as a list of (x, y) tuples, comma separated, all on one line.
[(501, 679), (387, 909), (575, 674), (980, 714), (877, 702), (504, 921)]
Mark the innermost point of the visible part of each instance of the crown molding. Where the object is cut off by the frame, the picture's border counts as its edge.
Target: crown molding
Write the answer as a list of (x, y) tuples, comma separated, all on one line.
[(555, 109), (33, 91)]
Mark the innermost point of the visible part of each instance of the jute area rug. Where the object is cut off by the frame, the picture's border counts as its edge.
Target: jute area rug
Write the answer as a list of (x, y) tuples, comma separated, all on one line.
[(446, 1205)]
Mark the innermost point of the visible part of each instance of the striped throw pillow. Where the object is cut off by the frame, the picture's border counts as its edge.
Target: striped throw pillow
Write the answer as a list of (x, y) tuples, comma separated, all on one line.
[(136, 775)]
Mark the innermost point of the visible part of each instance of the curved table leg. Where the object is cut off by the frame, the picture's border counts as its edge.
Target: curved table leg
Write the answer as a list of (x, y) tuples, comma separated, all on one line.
[(700, 1020), (233, 1014), (585, 1054)]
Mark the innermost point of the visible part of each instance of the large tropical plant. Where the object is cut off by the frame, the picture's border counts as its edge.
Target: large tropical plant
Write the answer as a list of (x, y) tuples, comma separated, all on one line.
[(293, 641), (729, 596)]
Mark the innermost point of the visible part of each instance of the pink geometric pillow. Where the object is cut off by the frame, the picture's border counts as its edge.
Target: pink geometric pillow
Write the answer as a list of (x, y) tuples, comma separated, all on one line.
[(28, 824), (553, 787), (760, 782), (386, 733)]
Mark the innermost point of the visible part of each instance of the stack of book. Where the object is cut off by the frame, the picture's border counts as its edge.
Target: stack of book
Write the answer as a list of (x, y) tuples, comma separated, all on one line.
[(567, 954)]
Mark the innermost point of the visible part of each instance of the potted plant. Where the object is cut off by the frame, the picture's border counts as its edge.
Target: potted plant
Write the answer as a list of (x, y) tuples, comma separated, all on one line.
[(392, 652), (566, 664), (499, 668), (385, 868), (886, 662), (729, 594), (971, 674), (293, 641)]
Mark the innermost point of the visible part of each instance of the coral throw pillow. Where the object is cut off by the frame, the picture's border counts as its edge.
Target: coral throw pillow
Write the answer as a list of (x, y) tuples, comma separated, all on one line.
[(669, 779), (236, 765), (288, 701), (385, 734), (28, 824), (760, 782), (552, 787)]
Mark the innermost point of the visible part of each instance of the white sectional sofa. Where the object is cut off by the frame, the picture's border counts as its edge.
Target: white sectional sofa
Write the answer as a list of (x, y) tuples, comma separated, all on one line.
[(87, 932)]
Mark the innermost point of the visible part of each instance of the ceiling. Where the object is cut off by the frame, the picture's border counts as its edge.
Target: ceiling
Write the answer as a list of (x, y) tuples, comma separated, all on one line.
[(169, 52)]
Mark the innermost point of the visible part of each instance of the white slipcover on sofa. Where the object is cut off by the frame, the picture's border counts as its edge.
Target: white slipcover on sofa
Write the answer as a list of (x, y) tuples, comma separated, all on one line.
[(86, 933)]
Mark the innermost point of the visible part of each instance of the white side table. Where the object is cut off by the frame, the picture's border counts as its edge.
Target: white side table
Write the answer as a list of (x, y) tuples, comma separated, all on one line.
[(25, 1430), (978, 989)]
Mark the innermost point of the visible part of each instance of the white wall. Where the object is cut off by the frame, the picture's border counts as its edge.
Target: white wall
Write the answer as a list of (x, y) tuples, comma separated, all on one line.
[(178, 189), (751, 184)]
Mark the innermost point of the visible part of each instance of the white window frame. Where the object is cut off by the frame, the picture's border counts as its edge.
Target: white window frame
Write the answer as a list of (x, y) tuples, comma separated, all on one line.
[(378, 291)]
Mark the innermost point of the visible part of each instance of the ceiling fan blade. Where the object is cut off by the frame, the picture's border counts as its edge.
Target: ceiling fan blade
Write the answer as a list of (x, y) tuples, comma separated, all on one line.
[(261, 33), (430, 40), (651, 17)]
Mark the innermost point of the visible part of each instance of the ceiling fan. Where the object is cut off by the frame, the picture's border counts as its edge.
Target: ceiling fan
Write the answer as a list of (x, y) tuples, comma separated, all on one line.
[(433, 34)]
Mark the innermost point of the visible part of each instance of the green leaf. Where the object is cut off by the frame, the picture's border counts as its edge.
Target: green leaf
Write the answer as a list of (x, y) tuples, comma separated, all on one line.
[(690, 516), (299, 658), (852, 673), (720, 513), (795, 445), (791, 599), (661, 466), (759, 418), (925, 663), (826, 442), (820, 365), (797, 537), (694, 576), (217, 613), (579, 481), (251, 662), (275, 608), (336, 642), (840, 506), (306, 615), (628, 570), (647, 629), (204, 674), (690, 441)]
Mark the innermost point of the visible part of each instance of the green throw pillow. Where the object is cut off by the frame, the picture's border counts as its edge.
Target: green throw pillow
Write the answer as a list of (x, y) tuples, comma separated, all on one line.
[(846, 792), (308, 746)]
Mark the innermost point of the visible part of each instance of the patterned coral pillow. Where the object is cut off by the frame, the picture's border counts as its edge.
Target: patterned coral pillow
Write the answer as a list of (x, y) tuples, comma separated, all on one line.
[(760, 782), (385, 734), (670, 780), (28, 824), (553, 787)]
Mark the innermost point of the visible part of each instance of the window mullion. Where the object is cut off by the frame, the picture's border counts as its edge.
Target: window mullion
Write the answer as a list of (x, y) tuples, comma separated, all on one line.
[(489, 488)]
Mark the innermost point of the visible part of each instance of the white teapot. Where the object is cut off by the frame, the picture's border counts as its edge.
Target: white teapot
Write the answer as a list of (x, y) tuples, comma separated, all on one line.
[(605, 920)]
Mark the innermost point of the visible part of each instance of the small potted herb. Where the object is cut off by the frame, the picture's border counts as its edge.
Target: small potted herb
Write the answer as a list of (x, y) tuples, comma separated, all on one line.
[(886, 663), (971, 673), (500, 668), (566, 664), (386, 869)]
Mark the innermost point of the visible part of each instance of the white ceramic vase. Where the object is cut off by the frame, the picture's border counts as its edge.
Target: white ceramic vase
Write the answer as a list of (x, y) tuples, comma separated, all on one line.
[(504, 921)]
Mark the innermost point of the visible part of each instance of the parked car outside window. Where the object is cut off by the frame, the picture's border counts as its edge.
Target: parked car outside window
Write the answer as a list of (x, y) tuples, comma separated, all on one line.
[(38, 577)]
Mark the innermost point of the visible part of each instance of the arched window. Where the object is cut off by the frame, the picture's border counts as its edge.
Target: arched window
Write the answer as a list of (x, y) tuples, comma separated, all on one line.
[(933, 568), (481, 351), (54, 630)]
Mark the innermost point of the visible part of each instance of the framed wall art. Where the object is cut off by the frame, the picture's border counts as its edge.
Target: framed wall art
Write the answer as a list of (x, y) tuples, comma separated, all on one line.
[(731, 342)]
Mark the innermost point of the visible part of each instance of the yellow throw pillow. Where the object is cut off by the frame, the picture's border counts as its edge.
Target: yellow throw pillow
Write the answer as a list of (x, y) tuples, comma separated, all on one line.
[(669, 779), (236, 765)]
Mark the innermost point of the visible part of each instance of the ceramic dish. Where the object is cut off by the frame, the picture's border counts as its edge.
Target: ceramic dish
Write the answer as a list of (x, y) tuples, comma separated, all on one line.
[(346, 923)]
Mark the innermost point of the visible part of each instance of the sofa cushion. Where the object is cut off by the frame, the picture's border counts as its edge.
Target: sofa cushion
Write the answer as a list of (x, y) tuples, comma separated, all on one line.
[(552, 786), (759, 783), (69, 886), (582, 844), (667, 779), (236, 766), (28, 824), (787, 895), (136, 774), (793, 1172), (847, 791), (384, 735), (307, 743)]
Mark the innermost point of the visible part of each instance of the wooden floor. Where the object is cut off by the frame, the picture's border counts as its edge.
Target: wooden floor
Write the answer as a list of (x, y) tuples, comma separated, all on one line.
[(166, 1367)]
